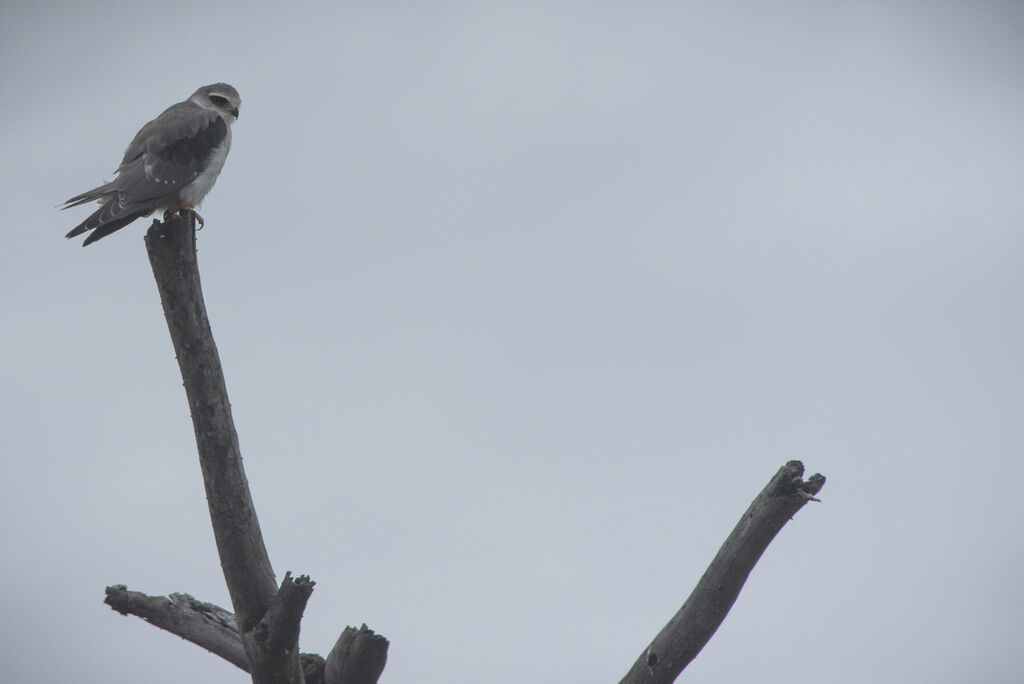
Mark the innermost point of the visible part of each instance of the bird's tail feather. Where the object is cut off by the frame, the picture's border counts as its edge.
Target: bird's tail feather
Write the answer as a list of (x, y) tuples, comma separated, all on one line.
[(107, 219), (108, 228), (101, 193)]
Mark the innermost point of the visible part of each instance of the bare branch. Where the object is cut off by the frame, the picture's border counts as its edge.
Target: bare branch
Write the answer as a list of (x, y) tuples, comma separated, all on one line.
[(276, 636), (250, 577), (358, 657), (686, 633), (204, 624), (262, 636), (285, 615)]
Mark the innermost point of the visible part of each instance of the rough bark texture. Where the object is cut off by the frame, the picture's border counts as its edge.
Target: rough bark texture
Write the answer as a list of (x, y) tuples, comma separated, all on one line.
[(358, 657), (203, 624), (262, 636), (271, 647), (686, 633), (243, 557), (265, 639), (273, 644)]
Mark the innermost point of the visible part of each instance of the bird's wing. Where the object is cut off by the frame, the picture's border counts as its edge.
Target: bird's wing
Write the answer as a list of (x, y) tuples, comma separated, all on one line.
[(165, 156), (168, 153)]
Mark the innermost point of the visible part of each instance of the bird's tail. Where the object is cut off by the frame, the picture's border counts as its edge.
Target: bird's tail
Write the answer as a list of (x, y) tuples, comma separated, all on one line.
[(103, 193), (110, 217)]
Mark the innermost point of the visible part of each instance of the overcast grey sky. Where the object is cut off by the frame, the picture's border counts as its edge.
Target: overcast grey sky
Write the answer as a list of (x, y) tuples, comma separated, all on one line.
[(520, 304)]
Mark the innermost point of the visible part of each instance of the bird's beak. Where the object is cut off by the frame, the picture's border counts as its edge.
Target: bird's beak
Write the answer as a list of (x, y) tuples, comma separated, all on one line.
[(234, 112)]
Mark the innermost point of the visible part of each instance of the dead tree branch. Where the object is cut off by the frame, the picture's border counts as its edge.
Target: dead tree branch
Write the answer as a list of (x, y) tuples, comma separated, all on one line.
[(243, 557), (266, 620), (358, 657), (263, 634), (275, 637), (215, 629), (204, 624), (685, 634)]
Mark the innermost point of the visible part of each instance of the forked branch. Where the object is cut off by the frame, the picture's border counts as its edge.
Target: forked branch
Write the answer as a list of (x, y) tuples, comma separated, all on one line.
[(358, 656), (265, 636)]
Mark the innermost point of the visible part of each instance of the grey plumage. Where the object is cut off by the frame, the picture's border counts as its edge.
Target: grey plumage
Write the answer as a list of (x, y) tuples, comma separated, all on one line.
[(170, 165)]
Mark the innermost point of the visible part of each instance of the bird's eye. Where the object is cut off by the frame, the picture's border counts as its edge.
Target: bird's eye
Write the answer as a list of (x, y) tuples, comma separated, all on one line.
[(219, 101)]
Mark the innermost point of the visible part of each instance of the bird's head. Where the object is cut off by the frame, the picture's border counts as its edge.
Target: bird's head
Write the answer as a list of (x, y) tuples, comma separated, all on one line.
[(219, 97)]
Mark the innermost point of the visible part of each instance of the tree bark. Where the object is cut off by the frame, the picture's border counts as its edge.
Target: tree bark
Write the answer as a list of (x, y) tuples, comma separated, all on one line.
[(686, 633), (268, 619), (358, 657), (204, 624), (243, 557)]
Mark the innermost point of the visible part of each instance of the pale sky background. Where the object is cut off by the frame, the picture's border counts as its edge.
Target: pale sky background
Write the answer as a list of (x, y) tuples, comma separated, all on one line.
[(520, 304)]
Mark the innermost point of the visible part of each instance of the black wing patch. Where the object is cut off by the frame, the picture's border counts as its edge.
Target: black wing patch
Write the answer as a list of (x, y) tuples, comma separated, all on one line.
[(163, 170), (194, 150)]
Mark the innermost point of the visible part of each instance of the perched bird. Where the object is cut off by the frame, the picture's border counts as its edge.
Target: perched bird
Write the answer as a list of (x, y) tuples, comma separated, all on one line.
[(170, 165)]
